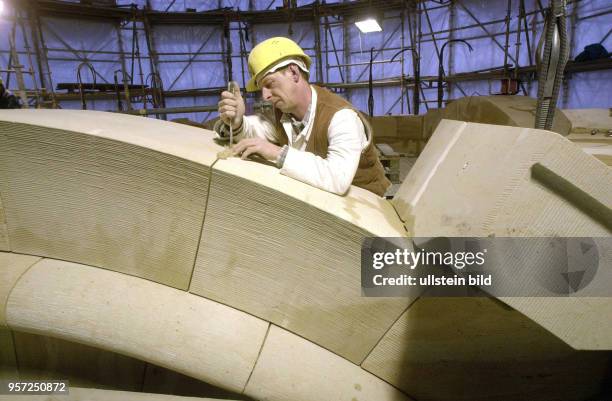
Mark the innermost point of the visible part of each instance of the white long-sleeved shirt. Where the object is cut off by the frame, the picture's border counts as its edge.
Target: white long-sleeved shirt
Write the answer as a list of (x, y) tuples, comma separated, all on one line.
[(346, 137)]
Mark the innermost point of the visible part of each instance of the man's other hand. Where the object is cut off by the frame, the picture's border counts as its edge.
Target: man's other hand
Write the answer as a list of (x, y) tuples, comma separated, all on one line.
[(260, 146)]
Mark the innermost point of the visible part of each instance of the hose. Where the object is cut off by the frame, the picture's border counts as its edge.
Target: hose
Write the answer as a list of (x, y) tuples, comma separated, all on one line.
[(441, 66), (564, 56), (81, 91), (551, 63)]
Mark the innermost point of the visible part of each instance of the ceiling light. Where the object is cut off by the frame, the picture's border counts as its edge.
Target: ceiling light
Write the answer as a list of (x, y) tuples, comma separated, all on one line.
[(368, 25), (1, 6)]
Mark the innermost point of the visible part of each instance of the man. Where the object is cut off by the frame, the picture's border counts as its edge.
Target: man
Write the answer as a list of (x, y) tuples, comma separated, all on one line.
[(315, 136), (7, 99)]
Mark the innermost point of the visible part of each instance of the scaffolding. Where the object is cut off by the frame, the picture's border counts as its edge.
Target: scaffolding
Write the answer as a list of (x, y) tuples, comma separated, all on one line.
[(132, 88)]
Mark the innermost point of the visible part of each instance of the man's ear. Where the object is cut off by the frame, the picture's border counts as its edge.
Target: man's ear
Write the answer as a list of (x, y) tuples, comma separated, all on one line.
[(295, 72)]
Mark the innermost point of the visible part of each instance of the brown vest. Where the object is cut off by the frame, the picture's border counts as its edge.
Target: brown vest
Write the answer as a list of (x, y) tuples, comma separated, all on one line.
[(370, 173)]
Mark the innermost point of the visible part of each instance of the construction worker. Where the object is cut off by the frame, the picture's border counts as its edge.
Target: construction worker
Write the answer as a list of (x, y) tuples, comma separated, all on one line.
[(314, 136), (7, 99)]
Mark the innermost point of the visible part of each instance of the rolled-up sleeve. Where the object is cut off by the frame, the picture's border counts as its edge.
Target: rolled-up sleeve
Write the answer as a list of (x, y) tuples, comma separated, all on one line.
[(334, 173), (252, 127)]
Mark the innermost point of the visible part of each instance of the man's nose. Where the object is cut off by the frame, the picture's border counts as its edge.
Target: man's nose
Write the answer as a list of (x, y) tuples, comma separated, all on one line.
[(265, 93)]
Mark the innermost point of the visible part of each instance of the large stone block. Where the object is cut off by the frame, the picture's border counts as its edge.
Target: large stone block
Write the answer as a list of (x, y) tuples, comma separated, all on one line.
[(105, 190)]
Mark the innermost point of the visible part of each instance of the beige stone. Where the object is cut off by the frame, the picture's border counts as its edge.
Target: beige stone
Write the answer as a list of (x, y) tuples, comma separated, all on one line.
[(94, 394), (515, 182), (587, 120), (105, 189), (409, 127), (384, 126), (190, 143), (137, 318), (485, 173), (600, 150), (8, 361), (290, 254), (515, 111), (12, 267), (294, 369), (165, 381), (402, 133), (4, 239), (46, 358), (479, 349), (591, 130), (481, 180), (583, 323)]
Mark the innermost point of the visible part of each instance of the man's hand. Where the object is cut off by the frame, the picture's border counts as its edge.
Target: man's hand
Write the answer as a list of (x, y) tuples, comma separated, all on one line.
[(231, 108), (260, 146)]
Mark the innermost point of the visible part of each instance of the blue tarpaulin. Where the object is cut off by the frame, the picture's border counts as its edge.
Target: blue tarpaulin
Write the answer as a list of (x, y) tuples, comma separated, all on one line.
[(190, 56)]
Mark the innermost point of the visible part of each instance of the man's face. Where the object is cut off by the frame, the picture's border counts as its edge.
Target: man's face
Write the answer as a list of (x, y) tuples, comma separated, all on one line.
[(279, 88)]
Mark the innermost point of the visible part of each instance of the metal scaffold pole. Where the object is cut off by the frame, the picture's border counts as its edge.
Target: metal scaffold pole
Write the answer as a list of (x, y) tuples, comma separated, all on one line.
[(16, 67)]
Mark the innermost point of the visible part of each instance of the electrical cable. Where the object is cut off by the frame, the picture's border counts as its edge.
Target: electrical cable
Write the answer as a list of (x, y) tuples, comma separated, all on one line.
[(117, 91), (441, 67), (370, 86), (80, 81)]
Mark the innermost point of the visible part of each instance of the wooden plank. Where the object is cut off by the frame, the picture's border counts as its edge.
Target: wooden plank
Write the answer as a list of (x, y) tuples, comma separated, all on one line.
[(12, 266), (138, 318), (106, 190), (479, 349), (293, 369), (46, 358), (290, 254)]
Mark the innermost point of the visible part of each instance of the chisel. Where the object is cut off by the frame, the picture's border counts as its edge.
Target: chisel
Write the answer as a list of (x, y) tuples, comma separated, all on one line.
[(233, 88)]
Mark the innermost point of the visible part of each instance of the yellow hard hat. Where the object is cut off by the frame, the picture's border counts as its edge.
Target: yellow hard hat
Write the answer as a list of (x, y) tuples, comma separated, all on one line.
[(268, 53)]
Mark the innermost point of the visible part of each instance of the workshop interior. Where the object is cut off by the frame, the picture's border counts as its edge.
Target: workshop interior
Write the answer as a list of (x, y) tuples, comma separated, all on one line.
[(142, 257)]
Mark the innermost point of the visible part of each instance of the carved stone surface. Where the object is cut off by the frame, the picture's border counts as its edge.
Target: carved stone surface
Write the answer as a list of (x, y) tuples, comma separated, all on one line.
[(231, 273)]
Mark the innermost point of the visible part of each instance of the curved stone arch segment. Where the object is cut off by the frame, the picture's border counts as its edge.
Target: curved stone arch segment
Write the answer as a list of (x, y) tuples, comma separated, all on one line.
[(477, 348), (310, 372), (138, 318), (290, 254), (94, 394), (12, 267), (106, 190)]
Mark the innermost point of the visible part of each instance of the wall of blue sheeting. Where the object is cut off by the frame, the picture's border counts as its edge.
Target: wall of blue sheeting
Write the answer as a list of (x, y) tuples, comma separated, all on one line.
[(587, 20)]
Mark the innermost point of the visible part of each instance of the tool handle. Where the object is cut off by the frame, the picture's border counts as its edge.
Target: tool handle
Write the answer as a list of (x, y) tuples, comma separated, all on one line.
[(232, 86)]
